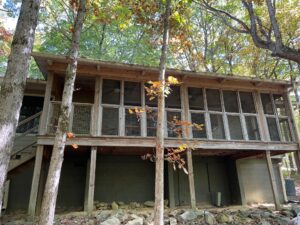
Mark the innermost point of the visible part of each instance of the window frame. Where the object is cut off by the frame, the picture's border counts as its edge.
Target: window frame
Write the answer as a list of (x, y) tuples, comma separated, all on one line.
[(277, 117)]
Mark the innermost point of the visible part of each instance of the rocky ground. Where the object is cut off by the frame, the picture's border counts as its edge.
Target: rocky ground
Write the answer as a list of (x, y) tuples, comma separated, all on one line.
[(142, 214)]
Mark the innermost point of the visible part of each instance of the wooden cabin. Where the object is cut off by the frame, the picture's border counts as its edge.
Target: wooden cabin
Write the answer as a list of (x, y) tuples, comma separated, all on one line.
[(246, 121)]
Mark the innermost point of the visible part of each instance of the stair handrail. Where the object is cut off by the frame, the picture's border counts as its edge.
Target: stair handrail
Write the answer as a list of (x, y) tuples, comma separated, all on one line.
[(30, 118), (22, 149)]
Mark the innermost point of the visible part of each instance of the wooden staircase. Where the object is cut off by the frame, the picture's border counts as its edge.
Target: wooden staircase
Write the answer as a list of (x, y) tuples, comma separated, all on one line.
[(25, 142)]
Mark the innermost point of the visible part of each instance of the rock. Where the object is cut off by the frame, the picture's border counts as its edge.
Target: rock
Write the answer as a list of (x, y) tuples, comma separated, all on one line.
[(282, 220), (137, 221), (172, 221), (209, 218), (134, 205), (149, 204), (224, 218), (188, 215), (114, 206), (293, 221), (111, 221), (103, 215)]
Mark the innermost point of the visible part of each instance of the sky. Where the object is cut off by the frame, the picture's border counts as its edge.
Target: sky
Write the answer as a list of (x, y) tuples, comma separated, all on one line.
[(9, 23)]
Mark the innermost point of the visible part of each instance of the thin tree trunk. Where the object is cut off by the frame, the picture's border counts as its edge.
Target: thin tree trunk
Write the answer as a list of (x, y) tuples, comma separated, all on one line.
[(159, 165), (12, 87), (51, 188)]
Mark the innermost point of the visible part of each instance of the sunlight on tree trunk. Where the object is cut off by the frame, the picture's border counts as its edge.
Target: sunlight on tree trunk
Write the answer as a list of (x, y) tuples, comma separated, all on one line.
[(51, 188), (12, 88), (159, 165)]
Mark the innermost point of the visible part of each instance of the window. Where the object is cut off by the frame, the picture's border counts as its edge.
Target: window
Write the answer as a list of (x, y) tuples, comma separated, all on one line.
[(235, 128), (276, 117), (197, 111), (217, 126), (132, 93), (247, 102), (279, 104), (285, 130), (174, 130), (252, 128), (273, 130), (151, 123), (213, 100), (110, 121), (173, 99), (267, 104), (230, 101), (198, 118), (196, 101), (132, 124), (111, 90)]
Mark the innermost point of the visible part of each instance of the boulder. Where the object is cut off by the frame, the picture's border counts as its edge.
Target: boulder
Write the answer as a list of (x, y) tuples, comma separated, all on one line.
[(103, 215), (209, 218), (264, 222), (149, 204), (188, 216), (224, 218), (111, 221)]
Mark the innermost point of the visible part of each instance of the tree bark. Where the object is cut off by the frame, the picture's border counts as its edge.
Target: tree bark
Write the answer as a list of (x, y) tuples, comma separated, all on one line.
[(13, 85), (51, 188), (159, 164)]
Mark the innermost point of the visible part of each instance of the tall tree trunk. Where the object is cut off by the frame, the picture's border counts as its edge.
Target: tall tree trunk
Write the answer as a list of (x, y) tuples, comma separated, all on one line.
[(51, 188), (12, 87), (159, 165)]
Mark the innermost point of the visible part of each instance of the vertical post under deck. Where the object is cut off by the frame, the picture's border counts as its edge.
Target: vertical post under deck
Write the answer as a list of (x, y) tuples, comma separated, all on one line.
[(171, 186), (90, 181), (273, 181), (35, 180)]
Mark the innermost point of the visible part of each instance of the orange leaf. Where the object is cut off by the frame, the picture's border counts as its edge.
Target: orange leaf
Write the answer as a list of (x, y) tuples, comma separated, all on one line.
[(74, 145), (70, 135)]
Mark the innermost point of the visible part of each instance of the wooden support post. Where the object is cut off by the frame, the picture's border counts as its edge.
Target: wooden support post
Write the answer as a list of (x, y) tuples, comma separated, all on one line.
[(96, 109), (282, 182), (90, 182), (187, 134), (171, 186), (46, 105), (35, 180), (273, 181), (191, 179)]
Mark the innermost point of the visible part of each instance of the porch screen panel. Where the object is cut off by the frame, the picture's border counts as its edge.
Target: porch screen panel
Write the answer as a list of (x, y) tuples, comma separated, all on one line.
[(81, 119), (285, 130), (132, 93), (230, 101), (213, 100), (174, 130), (111, 90), (151, 123), (252, 128), (273, 130), (247, 102), (217, 126), (199, 119), (196, 101), (110, 121), (277, 118), (132, 124), (267, 104), (235, 128), (173, 100), (53, 121), (279, 104)]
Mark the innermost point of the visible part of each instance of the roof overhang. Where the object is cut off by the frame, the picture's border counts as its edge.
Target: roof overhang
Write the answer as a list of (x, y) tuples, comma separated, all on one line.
[(58, 64)]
